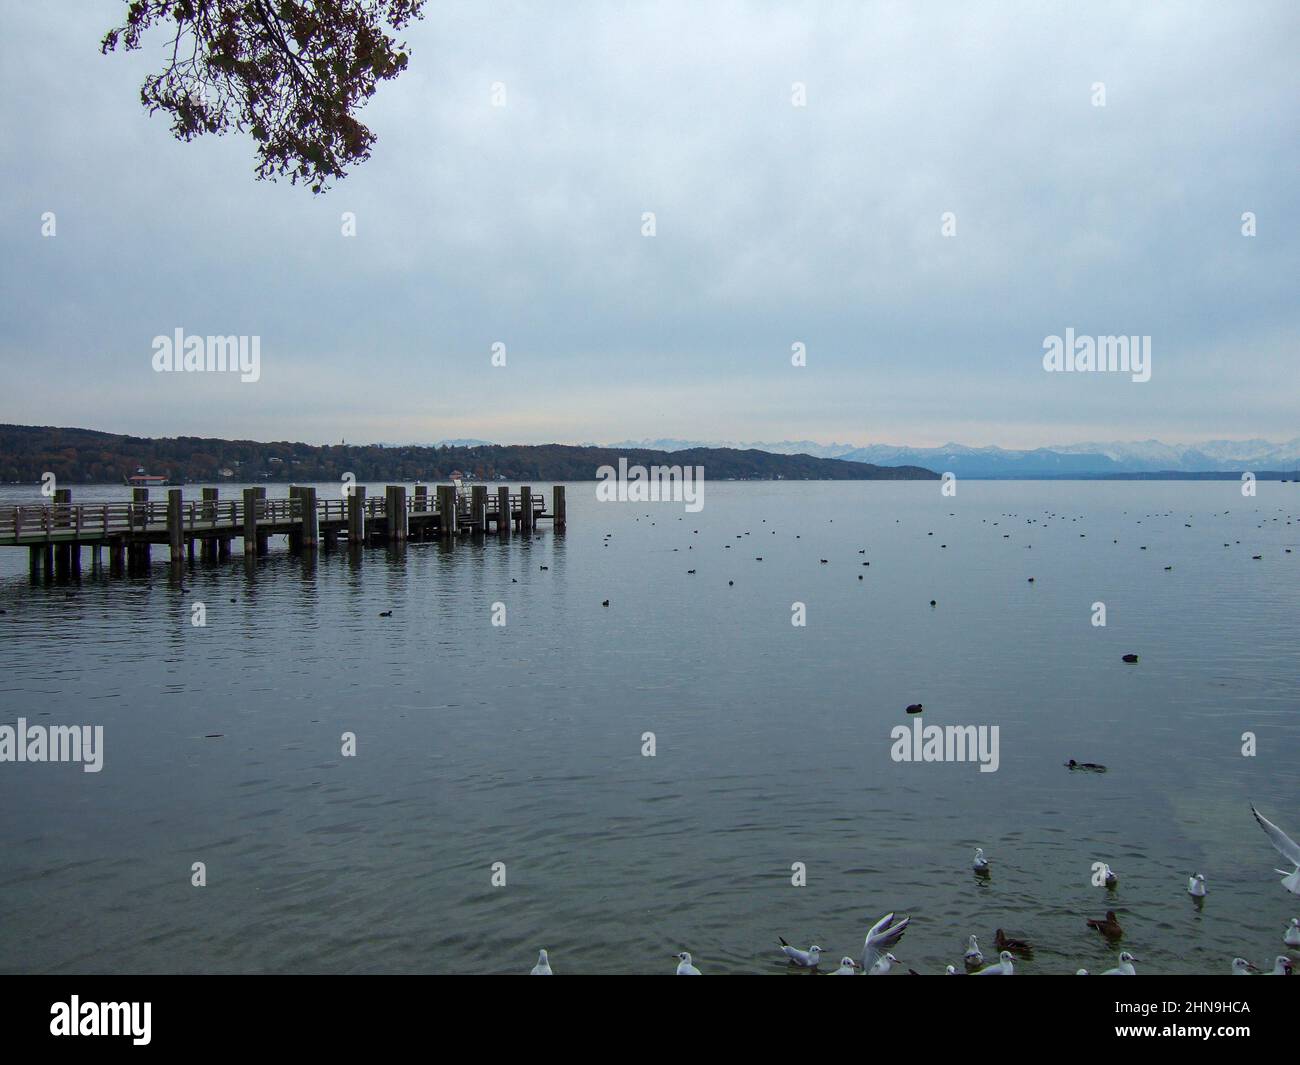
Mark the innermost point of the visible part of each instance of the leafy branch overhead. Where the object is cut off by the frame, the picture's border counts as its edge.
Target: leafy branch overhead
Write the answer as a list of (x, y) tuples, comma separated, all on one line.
[(289, 72)]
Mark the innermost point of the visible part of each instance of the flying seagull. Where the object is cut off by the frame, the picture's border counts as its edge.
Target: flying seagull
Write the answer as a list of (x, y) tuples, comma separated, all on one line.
[(880, 937), (1286, 846)]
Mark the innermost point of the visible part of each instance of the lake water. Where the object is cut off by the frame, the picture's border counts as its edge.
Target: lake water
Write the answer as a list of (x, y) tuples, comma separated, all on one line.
[(522, 744)]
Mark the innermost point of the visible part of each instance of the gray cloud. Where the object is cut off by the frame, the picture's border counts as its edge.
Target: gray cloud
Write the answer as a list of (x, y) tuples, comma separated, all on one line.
[(775, 224)]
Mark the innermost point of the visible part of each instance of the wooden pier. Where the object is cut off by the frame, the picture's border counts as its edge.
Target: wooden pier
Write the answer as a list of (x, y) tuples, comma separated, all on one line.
[(55, 533)]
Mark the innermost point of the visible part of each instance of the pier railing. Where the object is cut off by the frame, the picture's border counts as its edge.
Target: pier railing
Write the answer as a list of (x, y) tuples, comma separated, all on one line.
[(91, 521)]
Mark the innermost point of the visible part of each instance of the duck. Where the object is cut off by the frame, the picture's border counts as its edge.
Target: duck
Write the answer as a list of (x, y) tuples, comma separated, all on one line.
[(1094, 767), (1130, 658), (1109, 927), (915, 708), (385, 613), (1017, 946)]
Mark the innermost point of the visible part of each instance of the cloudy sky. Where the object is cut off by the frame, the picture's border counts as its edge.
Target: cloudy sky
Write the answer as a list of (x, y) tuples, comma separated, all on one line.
[(776, 224)]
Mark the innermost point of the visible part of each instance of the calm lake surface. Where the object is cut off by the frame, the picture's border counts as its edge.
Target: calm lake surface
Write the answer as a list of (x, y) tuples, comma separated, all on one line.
[(522, 744)]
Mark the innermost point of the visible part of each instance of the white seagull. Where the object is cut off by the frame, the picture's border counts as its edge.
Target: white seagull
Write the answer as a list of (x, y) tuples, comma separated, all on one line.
[(1110, 879), (974, 956), (684, 966), (1241, 967), (1282, 966), (951, 970), (880, 937), (1292, 936), (883, 964), (980, 864), (847, 967), (1125, 967), (807, 958), (1080, 972), (543, 966), (1002, 967), (1196, 886), (1287, 847)]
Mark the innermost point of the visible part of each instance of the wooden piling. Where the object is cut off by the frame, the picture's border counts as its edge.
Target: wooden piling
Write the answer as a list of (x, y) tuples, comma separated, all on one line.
[(558, 516), (397, 526), (62, 550), (357, 515), (175, 526), (310, 535), (262, 537), (138, 554), (503, 509), (209, 514), (250, 522), (526, 508), (478, 508), (295, 534), (446, 510)]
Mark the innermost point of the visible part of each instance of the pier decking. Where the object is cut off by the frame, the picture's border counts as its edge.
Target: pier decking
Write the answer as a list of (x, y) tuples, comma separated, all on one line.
[(54, 533)]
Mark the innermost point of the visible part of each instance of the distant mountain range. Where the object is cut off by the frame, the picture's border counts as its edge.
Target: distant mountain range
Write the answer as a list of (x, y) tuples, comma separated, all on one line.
[(1065, 460)]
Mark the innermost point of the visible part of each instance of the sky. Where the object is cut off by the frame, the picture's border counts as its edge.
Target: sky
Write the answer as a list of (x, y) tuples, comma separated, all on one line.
[(774, 225)]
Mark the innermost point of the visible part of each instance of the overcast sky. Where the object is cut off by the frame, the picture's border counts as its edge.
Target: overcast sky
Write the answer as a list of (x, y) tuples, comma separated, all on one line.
[(776, 224)]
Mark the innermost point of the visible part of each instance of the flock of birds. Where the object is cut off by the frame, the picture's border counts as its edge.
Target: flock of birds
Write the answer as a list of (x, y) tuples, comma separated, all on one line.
[(877, 959)]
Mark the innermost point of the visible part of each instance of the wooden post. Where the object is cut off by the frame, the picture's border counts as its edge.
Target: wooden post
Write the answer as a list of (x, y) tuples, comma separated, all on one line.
[(116, 556), (34, 561), (503, 509), (478, 508), (137, 552), (250, 522), (446, 510), (558, 516), (421, 498), (526, 508), (295, 535), (175, 529), (62, 550), (96, 559), (47, 561), (209, 514), (262, 537), (397, 526), (357, 515), (310, 535)]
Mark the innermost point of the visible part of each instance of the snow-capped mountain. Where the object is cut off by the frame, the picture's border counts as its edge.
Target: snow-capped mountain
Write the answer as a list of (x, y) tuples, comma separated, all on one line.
[(780, 447), (1064, 460)]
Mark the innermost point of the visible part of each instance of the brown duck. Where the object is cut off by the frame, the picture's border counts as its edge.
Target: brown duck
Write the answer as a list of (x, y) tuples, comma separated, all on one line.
[(1109, 927), (1018, 947)]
